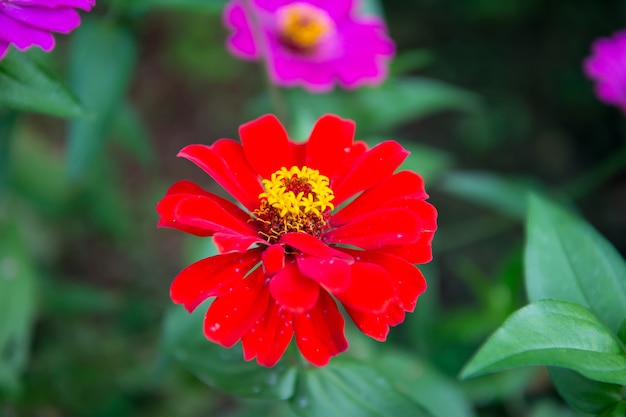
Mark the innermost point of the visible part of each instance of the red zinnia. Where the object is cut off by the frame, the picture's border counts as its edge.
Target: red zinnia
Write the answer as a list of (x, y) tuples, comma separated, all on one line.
[(324, 221)]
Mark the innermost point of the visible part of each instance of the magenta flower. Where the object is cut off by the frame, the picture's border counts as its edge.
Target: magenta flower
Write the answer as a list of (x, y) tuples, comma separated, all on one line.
[(607, 67), (27, 23), (312, 43)]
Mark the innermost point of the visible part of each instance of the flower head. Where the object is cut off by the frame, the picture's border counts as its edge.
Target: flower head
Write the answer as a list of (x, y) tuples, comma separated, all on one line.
[(607, 67), (318, 223), (27, 23), (313, 43)]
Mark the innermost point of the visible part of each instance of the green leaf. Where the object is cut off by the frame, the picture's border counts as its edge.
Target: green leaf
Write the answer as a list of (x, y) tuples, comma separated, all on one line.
[(424, 385), (617, 410), (26, 85), (506, 195), (584, 394), (552, 333), (184, 343), (7, 121), (349, 389), (132, 134), (214, 6), (566, 259), (405, 99), (101, 64), (621, 332), (18, 304)]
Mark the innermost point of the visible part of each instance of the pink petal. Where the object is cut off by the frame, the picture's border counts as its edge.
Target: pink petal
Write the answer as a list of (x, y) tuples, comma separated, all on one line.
[(370, 169), (371, 289), (378, 229), (312, 246), (214, 276), (268, 339), (330, 141), (293, 291), (24, 36), (273, 259), (266, 145), (62, 20), (232, 315), (319, 332), (400, 185), (241, 42), (225, 163), (80, 4), (331, 273)]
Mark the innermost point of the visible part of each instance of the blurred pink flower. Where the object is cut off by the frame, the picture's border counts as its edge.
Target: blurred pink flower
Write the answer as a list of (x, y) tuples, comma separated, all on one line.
[(27, 23), (607, 67), (312, 43)]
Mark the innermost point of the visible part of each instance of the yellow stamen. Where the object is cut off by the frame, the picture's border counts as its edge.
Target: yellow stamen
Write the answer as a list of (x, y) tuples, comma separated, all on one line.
[(302, 26)]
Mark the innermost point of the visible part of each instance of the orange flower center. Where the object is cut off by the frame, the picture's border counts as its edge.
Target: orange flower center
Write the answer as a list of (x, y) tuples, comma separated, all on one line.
[(295, 200), (302, 26)]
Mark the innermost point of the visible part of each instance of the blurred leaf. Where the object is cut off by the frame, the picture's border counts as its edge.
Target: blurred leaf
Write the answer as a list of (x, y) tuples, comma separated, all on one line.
[(424, 385), (551, 409), (371, 8), (26, 85), (18, 305), (197, 248), (621, 332), (199, 5), (405, 99), (132, 134), (584, 394), (506, 195), (552, 333), (101, 65), (412, 60), (349, 389), (429, 162), (500, 387), (566, 259), (7, 121), (184, 343), (617, 410)]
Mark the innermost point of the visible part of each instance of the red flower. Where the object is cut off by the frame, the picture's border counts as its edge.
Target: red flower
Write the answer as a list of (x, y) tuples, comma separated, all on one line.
[(302, 242)]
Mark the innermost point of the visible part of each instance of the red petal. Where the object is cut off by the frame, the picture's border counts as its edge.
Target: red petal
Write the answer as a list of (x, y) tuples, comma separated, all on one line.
[(225, 163), (214, 276), (331, 273), (312, 246), (268, 339), (186, 187), (293, 291), (319, 332), (400, 185), (416, 253), (373, 325), (273, 259), (226, 243), (232, 315), (370, 290), (166, 208), (377, 229), (425, 211), (406, 278), (329, 143), (395, 314), (266, 145), (206, 213), (370, 169)]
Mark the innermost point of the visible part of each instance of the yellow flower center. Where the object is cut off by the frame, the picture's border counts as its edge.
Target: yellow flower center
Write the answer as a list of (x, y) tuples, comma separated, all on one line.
[(295, 200), (302, 26)]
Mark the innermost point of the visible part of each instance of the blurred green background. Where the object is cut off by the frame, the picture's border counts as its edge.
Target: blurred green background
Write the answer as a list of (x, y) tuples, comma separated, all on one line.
[(488, 95)]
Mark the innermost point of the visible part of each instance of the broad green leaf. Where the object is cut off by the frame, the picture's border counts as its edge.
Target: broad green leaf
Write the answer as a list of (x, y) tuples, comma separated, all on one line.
[(617, 410), (17, 299), (132, 134), (26, 85), (621, 332), (552, 333), (412, 60), (424, 385), (102, 58), (584, 394), (214, 6), (566, 259), (405, 99), (184, 343), (350, 389), (506, 195)]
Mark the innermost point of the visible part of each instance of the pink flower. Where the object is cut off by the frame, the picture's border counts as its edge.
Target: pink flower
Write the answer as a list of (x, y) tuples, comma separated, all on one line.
[(27, 23), (607, 67), (312, 43)]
